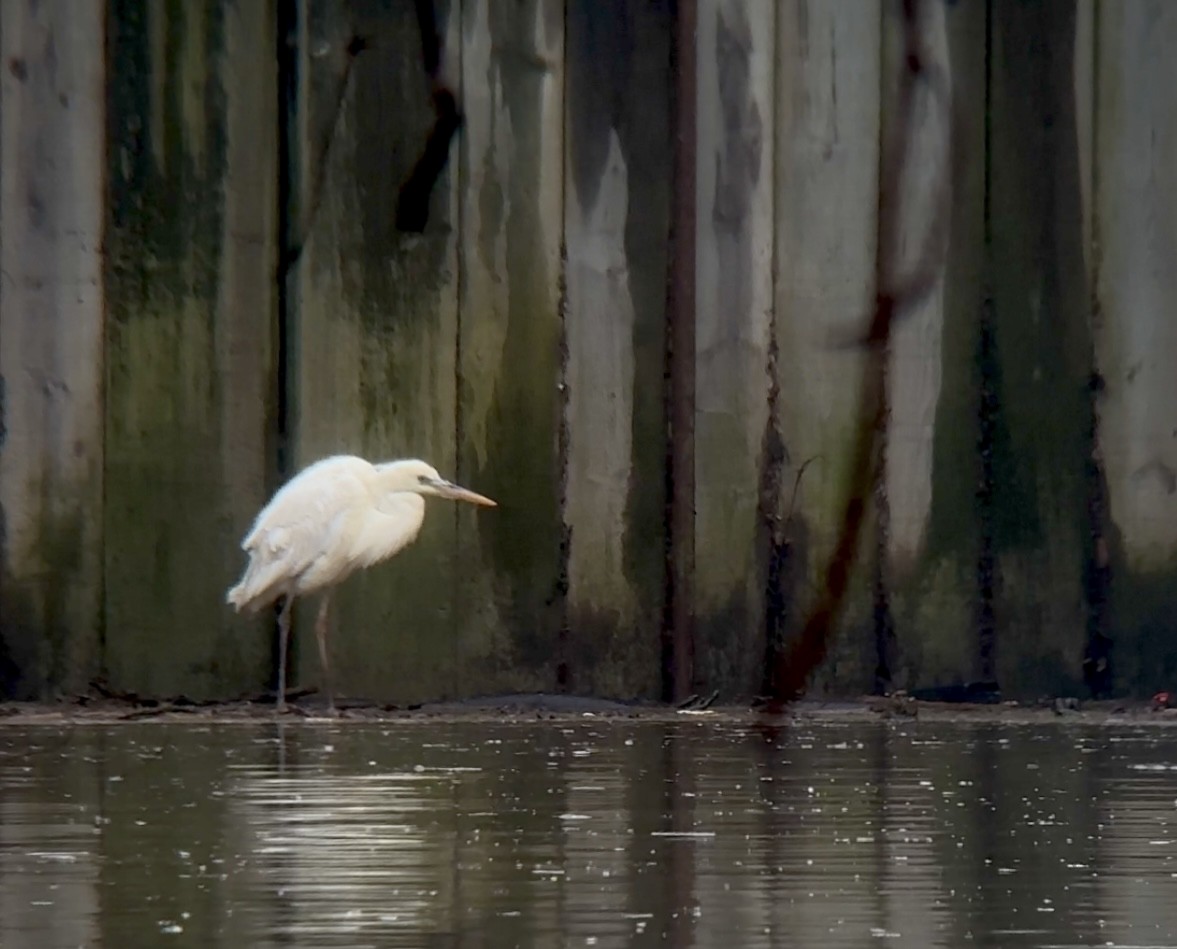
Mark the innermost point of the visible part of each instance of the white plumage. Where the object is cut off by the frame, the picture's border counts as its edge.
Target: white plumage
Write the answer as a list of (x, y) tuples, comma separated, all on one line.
[(335, 517)]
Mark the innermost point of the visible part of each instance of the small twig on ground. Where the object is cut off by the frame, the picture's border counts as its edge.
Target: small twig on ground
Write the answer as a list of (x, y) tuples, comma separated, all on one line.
[(153, 711), (270, 697)]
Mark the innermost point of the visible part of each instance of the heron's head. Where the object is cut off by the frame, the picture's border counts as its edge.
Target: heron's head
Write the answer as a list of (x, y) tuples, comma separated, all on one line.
[(419, 477)]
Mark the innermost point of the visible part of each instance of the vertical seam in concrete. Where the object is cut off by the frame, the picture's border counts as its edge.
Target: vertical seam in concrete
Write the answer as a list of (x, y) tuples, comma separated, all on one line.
[(678, 619), (986, 561), (287, 22), (563, 672), (1096, 257), (883, 624), (1098, 576), (459, 179), (772, 459), (100, 668)]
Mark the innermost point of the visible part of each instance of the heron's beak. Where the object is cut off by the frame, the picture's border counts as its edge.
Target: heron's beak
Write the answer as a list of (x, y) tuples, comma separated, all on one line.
[(447, 489)]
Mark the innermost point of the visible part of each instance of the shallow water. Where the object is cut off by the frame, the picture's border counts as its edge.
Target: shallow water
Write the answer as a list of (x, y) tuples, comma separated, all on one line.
[(600, 833)]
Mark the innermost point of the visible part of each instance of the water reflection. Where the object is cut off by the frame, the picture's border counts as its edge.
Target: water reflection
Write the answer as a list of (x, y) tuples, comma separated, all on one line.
[(598, 833)]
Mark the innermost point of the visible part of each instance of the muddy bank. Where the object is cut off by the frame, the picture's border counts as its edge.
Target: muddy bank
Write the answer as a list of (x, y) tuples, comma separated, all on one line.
[(553, 707)]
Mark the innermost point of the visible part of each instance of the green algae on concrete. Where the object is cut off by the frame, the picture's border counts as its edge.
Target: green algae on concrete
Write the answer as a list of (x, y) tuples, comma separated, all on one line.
[(935, 596), (373, 330), (1033, 355), (509, 597), (189, 324), (1042, 349), (49, 646)]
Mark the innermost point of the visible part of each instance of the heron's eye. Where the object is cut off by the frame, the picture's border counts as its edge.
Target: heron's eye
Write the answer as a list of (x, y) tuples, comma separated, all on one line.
[(421, 479)]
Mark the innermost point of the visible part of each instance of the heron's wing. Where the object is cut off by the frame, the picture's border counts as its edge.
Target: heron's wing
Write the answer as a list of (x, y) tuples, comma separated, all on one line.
[(306, 521), (366, 535)]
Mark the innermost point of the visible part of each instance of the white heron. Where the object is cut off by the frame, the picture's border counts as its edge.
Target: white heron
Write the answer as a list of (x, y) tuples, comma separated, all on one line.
[(334, 517)]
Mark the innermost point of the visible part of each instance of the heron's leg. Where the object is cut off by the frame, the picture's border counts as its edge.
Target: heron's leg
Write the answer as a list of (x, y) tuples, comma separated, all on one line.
[(283, 645), (321, 633)]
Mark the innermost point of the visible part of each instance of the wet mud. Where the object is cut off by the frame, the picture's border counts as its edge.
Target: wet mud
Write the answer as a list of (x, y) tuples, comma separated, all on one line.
[(307, 706)]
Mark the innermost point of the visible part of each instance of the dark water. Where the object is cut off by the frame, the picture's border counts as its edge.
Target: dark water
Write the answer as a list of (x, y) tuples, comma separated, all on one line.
[(595, 834)]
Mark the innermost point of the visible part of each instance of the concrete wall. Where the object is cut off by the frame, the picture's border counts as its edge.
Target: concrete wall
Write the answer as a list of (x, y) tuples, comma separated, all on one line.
[(616, 226), (257, 308), (52, 143), (374, 329), (190, 107), (1129, 209), (734, 276)]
